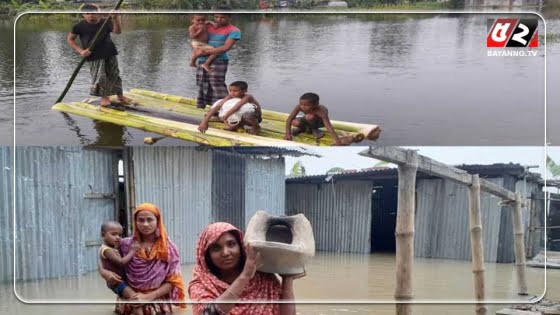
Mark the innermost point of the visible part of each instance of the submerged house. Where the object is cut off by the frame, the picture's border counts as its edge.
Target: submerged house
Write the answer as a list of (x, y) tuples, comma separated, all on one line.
[(63, 194), (356, 211)]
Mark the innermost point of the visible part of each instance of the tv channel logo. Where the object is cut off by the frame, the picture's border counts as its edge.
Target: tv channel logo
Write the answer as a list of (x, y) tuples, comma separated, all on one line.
[(511, 32)]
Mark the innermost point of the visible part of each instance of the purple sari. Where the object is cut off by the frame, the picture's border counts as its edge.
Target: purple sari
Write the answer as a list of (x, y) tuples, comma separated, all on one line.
[(144, 275)]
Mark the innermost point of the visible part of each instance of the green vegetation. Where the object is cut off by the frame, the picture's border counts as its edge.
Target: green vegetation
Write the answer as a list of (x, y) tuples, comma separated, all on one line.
[(552, 167), (13, 7), (551, 38), (402, 4), (335, 170), (552, 4), (297, 169)]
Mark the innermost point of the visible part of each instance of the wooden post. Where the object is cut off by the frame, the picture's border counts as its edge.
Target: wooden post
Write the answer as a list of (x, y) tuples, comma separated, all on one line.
[(519, 246), (533, 232), (404, 231), (477, 252), (129, 183)]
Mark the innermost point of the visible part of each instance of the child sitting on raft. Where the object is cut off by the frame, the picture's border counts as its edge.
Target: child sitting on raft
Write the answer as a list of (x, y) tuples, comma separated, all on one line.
[(245, 112), (314, 117), (110, 259)]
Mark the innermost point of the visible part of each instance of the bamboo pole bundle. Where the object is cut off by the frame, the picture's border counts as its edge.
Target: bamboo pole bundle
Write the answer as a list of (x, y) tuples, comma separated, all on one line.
[(519, 248), (475, 223), (213, 137), (269, 128), (404, 231), (370, 132)]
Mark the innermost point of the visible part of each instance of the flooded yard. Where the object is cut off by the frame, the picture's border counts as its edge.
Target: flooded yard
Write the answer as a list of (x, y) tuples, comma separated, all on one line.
[(330, 278)]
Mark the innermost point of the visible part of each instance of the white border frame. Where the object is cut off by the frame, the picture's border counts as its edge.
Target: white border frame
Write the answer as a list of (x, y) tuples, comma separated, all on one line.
[(342, 11)]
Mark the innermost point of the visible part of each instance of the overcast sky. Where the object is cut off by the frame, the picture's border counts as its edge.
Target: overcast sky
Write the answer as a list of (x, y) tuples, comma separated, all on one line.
[(348, 158)]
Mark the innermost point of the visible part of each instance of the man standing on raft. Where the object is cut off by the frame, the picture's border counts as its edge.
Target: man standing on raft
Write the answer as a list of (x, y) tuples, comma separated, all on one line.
[(211, 84)]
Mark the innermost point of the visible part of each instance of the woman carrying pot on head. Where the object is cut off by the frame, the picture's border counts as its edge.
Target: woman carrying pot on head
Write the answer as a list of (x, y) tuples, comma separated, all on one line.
[(227, 271)]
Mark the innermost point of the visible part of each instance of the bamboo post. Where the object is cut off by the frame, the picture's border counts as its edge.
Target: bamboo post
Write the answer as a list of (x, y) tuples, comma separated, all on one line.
[(519, 246), (404, 231), (531, 238), (475, 223)]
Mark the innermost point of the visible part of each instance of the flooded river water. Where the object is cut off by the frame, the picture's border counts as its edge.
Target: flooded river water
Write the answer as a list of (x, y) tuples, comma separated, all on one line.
[(415, 75)]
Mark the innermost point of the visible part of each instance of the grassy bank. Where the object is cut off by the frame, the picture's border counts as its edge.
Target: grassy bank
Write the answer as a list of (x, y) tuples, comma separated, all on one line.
[(420, 5)]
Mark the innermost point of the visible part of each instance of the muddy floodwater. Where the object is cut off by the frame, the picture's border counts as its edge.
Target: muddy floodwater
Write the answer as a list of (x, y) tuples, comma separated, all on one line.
[(330, 278)]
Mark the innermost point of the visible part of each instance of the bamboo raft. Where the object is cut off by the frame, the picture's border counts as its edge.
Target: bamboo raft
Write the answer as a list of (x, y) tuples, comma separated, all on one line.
[(177, 117)]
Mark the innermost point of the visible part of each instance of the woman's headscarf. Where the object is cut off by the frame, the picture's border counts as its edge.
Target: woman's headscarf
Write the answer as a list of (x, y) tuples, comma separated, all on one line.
[(160, 250), (206, 287), (147, 272)]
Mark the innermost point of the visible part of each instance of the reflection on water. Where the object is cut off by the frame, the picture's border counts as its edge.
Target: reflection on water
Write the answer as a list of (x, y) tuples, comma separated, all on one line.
[(415, 75), (342, 277)]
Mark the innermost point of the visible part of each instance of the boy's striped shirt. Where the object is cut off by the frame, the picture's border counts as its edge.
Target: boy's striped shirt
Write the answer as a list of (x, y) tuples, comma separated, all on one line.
[(218, 36)]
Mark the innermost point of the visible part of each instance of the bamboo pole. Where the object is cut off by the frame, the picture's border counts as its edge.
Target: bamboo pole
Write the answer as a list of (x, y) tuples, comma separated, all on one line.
[(531, 238), (213, 137), (519, 248), (370, 132), (91, 48), (404, 231), (475, 223), (269, 128), (176, 104)]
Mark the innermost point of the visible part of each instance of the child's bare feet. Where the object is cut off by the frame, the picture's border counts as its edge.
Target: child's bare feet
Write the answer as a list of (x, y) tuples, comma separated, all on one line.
[(348, 140), (214, 118), (318, 134), (105, 101), (230, 127), (206, 67), (296, 131), (125, 100), (254, 130)]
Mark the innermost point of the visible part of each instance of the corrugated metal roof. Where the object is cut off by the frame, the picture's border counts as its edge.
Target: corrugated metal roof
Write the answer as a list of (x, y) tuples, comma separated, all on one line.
[(490, 170), (553, 183), (499, 169), (367, 173)]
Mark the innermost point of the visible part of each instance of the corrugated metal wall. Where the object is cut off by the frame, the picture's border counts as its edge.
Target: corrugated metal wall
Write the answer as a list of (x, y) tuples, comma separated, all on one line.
[(506, 253), (505, 248), (553, 219), (6, 214), (442, 221), (228, 192), (339, 213), (195, 188), (54, 220), (265, 187), (179, 181)]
